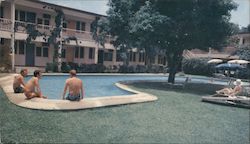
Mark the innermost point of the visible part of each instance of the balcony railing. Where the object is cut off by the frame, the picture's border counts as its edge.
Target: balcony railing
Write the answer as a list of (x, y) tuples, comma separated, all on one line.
[(20, 27), (84, 35), (5, 24)]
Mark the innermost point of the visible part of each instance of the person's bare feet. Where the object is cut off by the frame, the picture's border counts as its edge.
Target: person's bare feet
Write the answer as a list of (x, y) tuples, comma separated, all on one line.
[(45, 97)]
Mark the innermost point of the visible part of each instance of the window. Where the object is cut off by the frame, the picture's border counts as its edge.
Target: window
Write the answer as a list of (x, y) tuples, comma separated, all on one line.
[(22, 16), (76, 52), (83, 26), (130, 56), (25, 16), (46, 16), (65, 25), (91, 53), (81, 52), (46, 22), (1, 12), (21, 47), (45, 52), (38, 51), (63, 53), (119, 56), (141, 57), (2, 41), (108, 56), (134, 56), (80, 26), (16, 14), (40, 21), (159, 59), (31, 17)]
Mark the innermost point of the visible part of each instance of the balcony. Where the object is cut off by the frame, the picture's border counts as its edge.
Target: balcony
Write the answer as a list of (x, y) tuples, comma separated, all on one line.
[(20, 27), (83, 35), (5, 24)]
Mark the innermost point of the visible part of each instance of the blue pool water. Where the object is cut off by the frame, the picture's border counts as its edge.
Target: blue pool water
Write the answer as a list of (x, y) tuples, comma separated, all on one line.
[(98, 85)]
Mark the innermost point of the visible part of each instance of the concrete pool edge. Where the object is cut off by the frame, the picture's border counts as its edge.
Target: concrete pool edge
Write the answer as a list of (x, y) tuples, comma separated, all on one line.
[(87, 103)]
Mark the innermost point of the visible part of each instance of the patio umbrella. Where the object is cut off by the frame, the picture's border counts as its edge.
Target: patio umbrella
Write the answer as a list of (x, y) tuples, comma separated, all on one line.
[(215, 61), (238, 61), (229, 66)]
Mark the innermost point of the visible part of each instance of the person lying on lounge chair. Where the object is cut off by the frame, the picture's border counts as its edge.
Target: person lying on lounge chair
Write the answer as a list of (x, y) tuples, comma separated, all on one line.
[(231, 92)]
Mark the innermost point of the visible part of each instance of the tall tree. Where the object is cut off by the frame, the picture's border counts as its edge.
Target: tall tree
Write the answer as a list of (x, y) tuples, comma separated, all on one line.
[(171, 25), (117, 24), (194, 24), (145, 28)]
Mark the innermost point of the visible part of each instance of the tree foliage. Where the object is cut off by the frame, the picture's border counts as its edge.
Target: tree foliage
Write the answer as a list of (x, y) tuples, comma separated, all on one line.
[(243, 52), (170, 25)]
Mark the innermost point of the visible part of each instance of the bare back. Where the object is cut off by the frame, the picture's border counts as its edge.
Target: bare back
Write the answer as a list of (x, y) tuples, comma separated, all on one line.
[(18, 81), (31, 84), (75, 85)]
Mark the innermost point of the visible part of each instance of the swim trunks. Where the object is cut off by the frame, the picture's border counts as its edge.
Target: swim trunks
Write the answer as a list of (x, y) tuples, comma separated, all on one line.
[(73, 98), (18, 90)]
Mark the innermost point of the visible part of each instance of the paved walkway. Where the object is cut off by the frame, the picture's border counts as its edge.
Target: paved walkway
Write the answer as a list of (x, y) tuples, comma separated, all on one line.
[(48, 104)]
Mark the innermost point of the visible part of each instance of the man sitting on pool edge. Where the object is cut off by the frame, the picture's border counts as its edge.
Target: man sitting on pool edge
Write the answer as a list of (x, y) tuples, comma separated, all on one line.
[(18, 84), (32, 87), (74, 85)]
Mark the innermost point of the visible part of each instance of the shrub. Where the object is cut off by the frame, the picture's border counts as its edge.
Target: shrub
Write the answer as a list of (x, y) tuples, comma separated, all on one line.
[(244, 73), (74, 66), (155, 69), (51, 67), (141, 69), (65, 67), (126, 69), (91, 68), (197, 66)]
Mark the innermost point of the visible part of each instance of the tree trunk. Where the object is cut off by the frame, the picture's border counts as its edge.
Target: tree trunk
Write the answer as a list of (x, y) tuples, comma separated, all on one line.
[(172, 71), (174, 61)]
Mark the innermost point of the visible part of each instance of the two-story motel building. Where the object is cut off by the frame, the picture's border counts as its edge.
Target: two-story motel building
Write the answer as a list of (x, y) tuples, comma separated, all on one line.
[(77, 24)]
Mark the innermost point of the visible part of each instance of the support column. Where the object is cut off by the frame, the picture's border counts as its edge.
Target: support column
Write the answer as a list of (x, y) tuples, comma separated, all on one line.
[(12, 42), (60, 47), (114, 57), (96, 53)]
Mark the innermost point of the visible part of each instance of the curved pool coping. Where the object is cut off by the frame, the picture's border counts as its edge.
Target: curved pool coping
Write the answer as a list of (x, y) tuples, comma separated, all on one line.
[(86, 103)]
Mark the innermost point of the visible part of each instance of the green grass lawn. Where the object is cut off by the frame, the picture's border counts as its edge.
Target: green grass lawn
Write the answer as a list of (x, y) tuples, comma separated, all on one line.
[(177, 117)]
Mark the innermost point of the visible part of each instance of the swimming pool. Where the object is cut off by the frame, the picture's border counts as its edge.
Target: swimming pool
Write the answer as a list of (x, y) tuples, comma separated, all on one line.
[(101, 85)]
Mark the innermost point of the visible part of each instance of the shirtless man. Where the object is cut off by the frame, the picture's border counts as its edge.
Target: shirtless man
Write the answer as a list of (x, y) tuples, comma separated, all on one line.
[(32, 88), (18, 84), (75, 87)]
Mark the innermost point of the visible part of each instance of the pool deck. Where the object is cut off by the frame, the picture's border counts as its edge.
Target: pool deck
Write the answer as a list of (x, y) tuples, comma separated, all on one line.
[(86, 103)]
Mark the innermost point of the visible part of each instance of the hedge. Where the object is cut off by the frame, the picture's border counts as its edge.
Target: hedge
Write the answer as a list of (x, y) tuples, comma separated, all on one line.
[(198, 66)]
